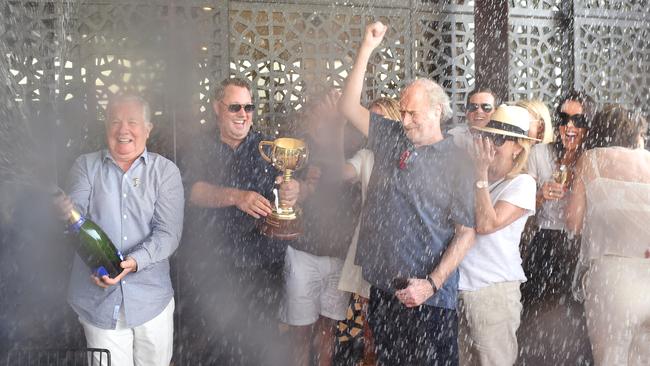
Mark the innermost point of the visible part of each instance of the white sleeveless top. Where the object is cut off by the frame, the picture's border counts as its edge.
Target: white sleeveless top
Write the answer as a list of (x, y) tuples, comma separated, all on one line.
[(617, 219), (616, 223)]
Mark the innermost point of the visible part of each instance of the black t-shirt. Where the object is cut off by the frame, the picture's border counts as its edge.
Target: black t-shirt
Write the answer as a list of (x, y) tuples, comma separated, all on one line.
[(236, 232)]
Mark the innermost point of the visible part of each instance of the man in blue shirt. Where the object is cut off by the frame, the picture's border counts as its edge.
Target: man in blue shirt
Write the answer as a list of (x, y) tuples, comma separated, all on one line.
[(418, 220), (136, 197), (231, 186)]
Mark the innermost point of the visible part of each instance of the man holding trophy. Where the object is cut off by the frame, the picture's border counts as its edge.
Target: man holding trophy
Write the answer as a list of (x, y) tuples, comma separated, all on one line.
[(231, 187)]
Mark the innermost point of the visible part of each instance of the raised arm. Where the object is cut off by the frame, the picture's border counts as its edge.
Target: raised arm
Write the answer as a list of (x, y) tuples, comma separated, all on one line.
[(350, 102), (490, 218)]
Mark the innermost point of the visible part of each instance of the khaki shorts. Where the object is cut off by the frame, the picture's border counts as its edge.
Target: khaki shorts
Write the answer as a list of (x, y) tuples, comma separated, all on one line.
[(311, 288)]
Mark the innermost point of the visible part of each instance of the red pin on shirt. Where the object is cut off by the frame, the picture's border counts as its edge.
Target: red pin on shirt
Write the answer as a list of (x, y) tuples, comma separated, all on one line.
[(403, 159)]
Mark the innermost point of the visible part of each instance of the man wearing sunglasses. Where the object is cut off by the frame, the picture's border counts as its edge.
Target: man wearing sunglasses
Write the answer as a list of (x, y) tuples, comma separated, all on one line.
[(481, 103), (417, 222), (231, 188)]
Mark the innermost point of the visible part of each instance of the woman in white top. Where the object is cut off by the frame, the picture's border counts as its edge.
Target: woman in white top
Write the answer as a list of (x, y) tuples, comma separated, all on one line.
[(491, 272), (610, 206), (359, 168)]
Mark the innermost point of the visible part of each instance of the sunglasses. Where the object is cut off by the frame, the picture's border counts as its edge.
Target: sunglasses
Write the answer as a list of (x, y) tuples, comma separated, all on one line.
[(497, 140), (234, 108), (486, 107), (579, 120)]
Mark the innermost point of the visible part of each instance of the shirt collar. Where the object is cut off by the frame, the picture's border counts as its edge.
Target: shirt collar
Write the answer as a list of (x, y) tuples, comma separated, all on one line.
[(242, 145), (144, 156)]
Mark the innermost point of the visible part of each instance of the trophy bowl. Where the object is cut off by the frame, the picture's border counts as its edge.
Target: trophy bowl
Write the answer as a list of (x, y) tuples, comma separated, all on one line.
[(286, 155)]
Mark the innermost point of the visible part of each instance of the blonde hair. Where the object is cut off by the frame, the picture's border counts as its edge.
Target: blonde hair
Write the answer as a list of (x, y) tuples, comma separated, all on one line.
[(540, 112), (388, 106), (521, 161)]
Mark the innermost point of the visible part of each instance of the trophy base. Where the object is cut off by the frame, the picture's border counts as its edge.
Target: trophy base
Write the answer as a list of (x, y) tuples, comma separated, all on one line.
[(278, 226)]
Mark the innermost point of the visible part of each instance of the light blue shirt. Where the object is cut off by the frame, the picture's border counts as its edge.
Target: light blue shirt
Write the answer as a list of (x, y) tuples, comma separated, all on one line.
[(141, 211)]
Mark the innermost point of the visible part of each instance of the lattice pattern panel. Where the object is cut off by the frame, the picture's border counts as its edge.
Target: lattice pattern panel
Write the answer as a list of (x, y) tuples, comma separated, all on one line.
[(33, 40), (536, 4), (613, 61), (444, 52), (535, 70), (629, 6), (146, 47), (77, 54), (292, 51)]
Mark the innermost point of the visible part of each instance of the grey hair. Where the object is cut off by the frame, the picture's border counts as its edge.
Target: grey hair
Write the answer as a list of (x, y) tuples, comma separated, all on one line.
[(436, 95), (126, 97)]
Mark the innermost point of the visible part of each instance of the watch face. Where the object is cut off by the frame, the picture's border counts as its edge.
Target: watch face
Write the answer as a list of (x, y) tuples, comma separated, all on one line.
[(481, 184)]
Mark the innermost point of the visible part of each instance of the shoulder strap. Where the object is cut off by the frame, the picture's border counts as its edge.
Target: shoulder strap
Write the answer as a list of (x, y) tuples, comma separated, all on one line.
[(594, 163)]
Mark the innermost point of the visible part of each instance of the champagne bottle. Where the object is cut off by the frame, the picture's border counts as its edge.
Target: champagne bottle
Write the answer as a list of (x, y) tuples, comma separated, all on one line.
[(95, 248)]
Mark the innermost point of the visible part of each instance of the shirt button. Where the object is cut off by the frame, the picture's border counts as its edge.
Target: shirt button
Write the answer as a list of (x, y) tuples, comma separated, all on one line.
[(124, 282), (125, 238), (124, 217), (124, 195)]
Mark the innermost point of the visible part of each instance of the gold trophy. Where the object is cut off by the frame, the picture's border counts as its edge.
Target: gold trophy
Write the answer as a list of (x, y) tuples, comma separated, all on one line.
[(287, 156)]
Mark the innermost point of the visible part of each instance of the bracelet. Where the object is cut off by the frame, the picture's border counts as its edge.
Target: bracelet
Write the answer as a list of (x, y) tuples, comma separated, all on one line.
[(433, 284)]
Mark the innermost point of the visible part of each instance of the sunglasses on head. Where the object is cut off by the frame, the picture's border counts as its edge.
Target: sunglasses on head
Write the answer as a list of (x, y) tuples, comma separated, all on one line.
[(486, 107), (234, 108), (579, 120), (497, 140)]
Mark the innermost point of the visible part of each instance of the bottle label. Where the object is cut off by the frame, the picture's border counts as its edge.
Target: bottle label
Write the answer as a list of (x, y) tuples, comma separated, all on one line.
[(77, 225)]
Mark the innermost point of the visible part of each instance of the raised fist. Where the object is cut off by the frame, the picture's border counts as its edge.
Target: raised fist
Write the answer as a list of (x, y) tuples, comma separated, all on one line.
[(374, 34)]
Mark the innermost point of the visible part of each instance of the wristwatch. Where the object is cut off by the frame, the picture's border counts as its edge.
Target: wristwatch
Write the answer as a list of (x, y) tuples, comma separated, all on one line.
[(433, 284), (482, 184)]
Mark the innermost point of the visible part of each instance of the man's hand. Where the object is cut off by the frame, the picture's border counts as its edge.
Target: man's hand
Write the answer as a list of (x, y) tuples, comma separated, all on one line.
[(128, 265), (417, 292), (289, 191), (327, 109), (374, 34), (253, 204), (63, 205)]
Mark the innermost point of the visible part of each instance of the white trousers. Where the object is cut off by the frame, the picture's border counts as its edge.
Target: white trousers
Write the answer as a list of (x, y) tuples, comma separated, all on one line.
[(149, 344), (617, 306), (488, 320)]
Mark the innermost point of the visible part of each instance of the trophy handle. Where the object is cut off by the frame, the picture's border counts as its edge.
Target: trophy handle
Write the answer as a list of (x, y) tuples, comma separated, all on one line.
[(261, 148)]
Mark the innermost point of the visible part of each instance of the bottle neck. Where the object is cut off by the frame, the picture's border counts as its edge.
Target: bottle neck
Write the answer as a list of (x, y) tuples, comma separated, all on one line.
[(75, 220)]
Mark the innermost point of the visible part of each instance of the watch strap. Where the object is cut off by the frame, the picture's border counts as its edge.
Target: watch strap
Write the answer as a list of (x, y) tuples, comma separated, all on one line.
[(433, 284)]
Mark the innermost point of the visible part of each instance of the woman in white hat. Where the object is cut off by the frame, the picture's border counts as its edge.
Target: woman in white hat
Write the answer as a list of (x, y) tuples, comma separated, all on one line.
[(490, 274)]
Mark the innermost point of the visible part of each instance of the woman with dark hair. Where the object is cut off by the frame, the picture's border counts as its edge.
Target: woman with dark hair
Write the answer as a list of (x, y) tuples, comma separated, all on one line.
[(610, 206), (548, 263), (551, 255)]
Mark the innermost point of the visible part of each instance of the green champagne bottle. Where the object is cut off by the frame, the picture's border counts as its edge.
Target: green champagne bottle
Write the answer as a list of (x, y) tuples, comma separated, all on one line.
[(95, 248)]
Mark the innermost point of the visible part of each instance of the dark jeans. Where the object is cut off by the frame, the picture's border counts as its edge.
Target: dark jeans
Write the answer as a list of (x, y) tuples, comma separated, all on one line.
[(230, 315), (549, 267), (425, 335)]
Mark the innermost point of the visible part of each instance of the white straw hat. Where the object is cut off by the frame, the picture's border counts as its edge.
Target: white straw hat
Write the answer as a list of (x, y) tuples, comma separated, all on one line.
[(509, 120)]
